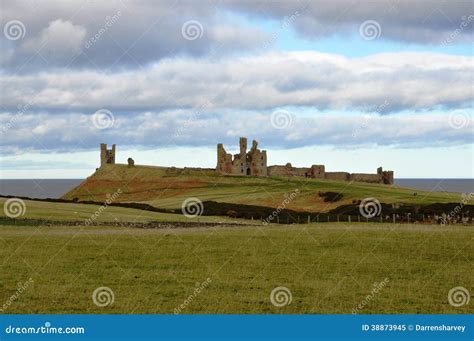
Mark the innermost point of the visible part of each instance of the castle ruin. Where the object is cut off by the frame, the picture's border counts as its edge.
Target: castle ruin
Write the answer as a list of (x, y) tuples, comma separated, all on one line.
[(254, 162), (107, 155)]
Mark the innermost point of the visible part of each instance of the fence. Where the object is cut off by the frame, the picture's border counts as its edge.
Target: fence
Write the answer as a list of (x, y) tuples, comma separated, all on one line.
[(393, 218)]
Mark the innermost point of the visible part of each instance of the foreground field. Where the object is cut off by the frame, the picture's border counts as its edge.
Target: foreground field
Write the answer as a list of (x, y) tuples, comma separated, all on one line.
[(154, 186), (327, 268)]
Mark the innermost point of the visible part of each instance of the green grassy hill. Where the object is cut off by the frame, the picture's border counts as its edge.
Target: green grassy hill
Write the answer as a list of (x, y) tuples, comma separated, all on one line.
[(159, 188)]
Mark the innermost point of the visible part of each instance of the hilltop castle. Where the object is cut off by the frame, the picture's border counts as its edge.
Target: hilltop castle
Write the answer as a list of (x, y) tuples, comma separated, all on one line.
[(254, 162)]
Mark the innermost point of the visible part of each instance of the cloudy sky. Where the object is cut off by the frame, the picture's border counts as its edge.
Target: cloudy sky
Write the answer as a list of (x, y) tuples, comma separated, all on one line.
[(349, 84)]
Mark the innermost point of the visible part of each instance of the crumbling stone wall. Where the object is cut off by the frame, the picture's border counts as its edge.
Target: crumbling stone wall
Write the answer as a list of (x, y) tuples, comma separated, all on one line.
[(224, 160), (287, 170), (364, 177), (107, 156), (338, 176)]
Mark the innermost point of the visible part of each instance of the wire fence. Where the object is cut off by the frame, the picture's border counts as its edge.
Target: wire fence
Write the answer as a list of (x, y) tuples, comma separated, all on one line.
[(442, 219)]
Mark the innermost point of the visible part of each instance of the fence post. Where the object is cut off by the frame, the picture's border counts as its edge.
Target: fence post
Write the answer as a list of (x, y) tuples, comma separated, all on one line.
[(338, 218), (394, 220), (349, 218), (298, 220), (317, 218), (408, 218), (328, 218), (309, 219)]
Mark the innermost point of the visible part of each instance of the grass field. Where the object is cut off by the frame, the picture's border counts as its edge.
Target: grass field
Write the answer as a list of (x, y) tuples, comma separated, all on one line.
[(153, 186), (328, 268)]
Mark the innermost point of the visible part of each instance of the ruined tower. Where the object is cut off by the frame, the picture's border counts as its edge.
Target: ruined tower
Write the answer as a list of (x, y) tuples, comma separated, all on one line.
[(385, 177), (243, 147), (107, 156)]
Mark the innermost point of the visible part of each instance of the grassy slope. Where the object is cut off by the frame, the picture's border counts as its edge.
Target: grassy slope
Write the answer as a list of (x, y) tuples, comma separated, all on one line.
[(80, 212), (153, 186), (328, 268)]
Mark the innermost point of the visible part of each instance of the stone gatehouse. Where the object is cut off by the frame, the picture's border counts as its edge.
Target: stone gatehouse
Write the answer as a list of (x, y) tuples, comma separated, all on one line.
[(253, 162)]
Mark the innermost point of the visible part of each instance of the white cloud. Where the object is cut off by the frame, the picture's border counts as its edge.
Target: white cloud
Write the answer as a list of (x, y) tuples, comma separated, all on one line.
[(406, 81), (59, 42), (75, 131)]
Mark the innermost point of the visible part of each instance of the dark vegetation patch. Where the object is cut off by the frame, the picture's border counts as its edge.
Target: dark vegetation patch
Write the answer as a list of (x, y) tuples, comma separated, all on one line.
[(330, 196)]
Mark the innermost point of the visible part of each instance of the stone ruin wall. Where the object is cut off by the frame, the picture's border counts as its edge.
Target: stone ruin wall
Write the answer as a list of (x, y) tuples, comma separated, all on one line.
[(255, 163), (339, 176), (315, 171), (363, 177)]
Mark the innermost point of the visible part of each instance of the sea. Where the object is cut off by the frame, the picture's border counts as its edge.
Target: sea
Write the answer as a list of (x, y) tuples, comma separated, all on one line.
[(55, 188)]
